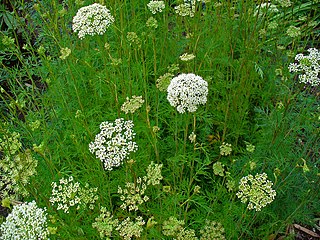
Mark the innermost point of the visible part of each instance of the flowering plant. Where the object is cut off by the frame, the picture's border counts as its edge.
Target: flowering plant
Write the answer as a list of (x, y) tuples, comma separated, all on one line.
[(26, 221), (256, 191), (187, 91), (309, 65), (91, 20), (114, 143)]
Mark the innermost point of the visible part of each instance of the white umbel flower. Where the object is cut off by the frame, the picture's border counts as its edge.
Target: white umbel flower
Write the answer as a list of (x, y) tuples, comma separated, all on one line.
[(114, 143), (26, 221), (92, 20), (308, 67), (187, 91)]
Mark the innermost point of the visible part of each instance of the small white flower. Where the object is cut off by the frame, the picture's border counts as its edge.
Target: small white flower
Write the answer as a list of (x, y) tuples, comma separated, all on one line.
[(114, 143), (91, 20), (187, 91), (156, 6), (187, 57), (256, 191), (309, 66), (26, 221)]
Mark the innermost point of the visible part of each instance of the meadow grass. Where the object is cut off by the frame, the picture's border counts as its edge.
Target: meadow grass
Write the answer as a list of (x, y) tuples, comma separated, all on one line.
[(185, 177)]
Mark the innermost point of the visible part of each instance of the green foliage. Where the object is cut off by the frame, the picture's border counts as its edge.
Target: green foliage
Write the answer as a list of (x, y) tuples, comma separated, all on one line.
[(56, 89)]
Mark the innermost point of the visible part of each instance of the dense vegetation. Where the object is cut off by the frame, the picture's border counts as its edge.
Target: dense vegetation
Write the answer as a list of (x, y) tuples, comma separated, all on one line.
[(159, 119)]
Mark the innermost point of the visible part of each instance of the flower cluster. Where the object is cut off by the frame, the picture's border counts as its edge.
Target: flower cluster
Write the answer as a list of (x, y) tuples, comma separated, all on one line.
[(26, 221), (250, 147), (131, 105), (152, 22), (133, 38), (114, 143), (265, 8), (172, 226), (105, 223), (156, 6), (186, 9), (293, 31), (186, 234), (10, 143), (212, 231), (65, 52), (128, 229), (218, 169), (91, 20), (187, 91), (187, 57), (192, 137), (284, 3), (133, 195), (225, 149), (256, 191), (68, 194), (16, 172), (163, 81), (309, 67), (154, 175)]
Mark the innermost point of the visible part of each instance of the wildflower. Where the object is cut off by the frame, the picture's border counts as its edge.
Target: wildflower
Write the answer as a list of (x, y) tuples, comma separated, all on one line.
[(186, 9), (212, 231), (115, 61), (151, 222), (172, 226), (309, 67), (218, 169), (230, 184), (133, 38), (152, 22), (131, 105), (78, 114), (34, 125), (154, 174), (107, 46), (16, 171), (26, 221), (105, 223), (187, 57), (256, 191), (163, 81), (249, 147), (114, 143), (128, 229), (10, 143), (252, 165), (156, 6), (133, 195), (186, 234), (166, 189), (192, 137), (155, 129), (67, 194), (65, 52), (284, 3), (7, 41), (41, 50), (91, 20), (196, 189), (272, 25), (265, 8), (173, 68), (187, 91), (225, 149), (293, 31)]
